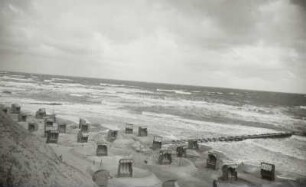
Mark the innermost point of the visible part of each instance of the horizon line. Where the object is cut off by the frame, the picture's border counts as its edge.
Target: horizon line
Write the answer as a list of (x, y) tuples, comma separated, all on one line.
[(164, 83)]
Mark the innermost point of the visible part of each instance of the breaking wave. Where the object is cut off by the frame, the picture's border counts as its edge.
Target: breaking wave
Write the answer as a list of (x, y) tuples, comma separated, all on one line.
[(174, 91)]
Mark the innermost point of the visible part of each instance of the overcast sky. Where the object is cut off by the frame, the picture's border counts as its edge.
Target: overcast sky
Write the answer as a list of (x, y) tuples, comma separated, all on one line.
[(248, 44)]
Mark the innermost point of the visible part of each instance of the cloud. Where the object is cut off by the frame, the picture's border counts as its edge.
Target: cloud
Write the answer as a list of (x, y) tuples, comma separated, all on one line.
[(257, 44)]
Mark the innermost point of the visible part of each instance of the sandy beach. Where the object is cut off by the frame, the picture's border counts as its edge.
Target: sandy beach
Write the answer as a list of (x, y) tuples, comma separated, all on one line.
[(69, 156)]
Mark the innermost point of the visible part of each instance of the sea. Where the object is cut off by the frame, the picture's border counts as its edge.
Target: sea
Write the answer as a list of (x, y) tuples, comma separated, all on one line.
[(174, 112)]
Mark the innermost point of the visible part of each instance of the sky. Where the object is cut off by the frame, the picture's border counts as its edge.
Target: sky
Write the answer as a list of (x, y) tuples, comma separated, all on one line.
[(245, 44)]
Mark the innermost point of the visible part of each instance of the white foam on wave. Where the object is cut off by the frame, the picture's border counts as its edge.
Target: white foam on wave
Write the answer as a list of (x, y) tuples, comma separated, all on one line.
[(276, 118), (61, 79), (11, 89), (247, 113), (125, 90), (71, 88), (214, 93), (22, 79), (116, 85), (264, 110), (174, 91), (23, 85), (168, 125), (163, 90), (232, 93), (272, 116), (109, 85), (303, 107), (76, 95), (77, 85), (19, 76), (226, 129), (164, 117), (204, 127), (182, 92)]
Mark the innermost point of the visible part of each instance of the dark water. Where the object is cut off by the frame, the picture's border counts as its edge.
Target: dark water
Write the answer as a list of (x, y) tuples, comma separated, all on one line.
[(257, 102), (225, 95)]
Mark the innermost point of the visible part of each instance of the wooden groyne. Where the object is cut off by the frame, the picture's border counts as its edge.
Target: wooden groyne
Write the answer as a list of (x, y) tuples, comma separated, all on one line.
[(235, 138)]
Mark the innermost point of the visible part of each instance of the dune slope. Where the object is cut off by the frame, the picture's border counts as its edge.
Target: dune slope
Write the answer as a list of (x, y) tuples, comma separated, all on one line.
[(25, 160)]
